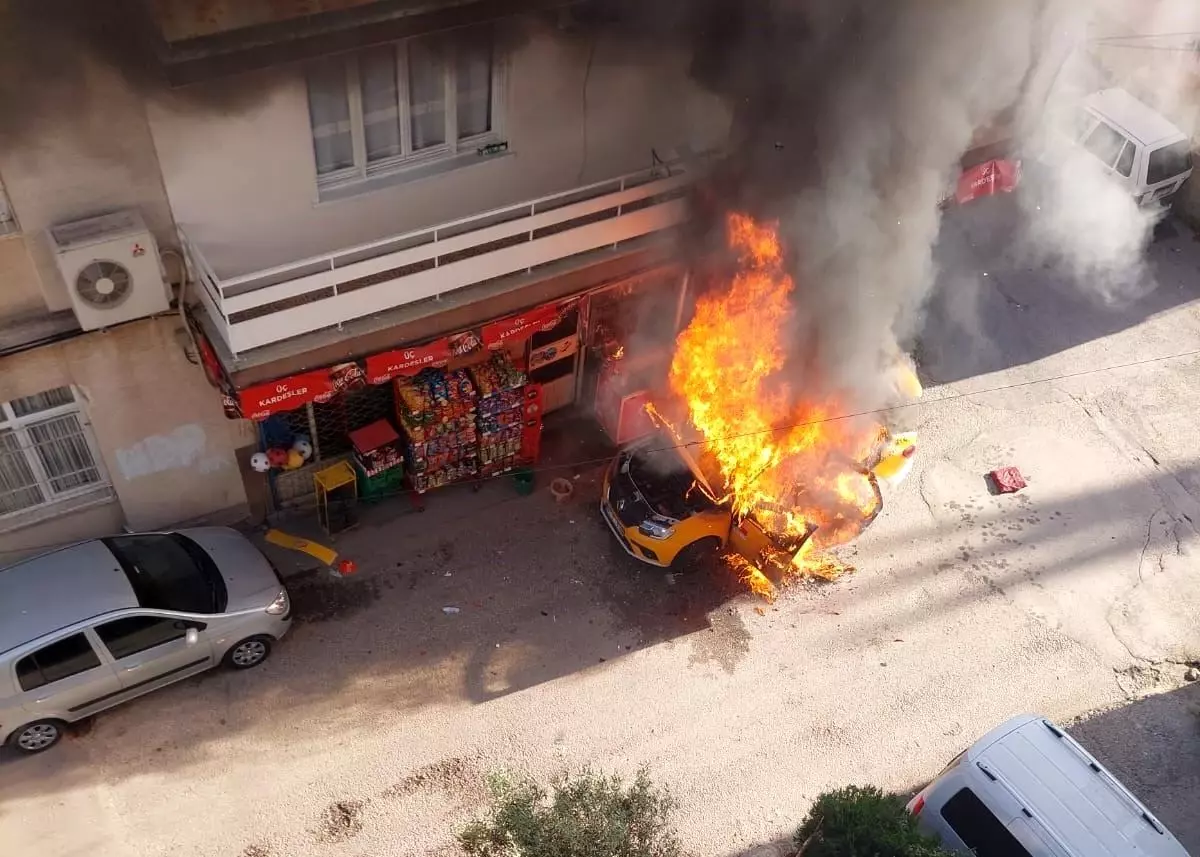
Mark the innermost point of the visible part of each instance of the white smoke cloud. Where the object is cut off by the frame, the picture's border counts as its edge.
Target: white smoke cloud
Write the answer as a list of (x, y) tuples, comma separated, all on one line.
[(1075, 215)]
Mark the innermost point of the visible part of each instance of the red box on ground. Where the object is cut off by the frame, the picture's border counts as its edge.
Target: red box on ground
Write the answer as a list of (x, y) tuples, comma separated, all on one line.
[(1008, 480)]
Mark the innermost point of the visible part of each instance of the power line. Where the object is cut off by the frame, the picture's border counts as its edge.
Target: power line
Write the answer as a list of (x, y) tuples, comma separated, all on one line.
[(1180, 34), (1165, 48), (950, 397)]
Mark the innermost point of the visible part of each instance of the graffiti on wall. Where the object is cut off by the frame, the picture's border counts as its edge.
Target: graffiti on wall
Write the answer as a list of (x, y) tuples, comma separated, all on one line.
[(185, 447)]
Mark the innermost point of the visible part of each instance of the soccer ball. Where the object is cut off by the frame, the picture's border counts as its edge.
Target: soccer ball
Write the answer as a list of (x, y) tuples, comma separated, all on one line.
[(304, 447), (260, 462)]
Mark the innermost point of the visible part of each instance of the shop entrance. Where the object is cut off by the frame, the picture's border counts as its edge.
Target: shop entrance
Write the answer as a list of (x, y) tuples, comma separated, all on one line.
[(629, 340)]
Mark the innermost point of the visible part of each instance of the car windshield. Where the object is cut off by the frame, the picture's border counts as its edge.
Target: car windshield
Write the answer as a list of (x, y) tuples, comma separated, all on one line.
[(170, 572), (1168, 162)]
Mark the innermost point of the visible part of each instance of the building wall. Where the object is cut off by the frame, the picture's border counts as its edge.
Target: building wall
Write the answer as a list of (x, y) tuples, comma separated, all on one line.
[(98, 157), (161, 433), (20, 287), (241, 179), (98, 520)]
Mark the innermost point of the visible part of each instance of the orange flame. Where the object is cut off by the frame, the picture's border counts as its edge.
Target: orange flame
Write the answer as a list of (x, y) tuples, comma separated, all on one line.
[(786, 459)]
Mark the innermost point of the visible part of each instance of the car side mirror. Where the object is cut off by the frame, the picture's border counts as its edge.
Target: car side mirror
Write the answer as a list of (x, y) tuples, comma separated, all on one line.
[(192, 636)]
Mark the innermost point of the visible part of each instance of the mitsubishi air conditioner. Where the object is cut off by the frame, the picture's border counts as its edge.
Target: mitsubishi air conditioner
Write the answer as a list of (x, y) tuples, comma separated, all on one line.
[(111, 267)]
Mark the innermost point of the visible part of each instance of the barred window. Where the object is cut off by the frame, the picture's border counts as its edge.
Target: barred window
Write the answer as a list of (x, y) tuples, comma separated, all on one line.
[(46, 452)]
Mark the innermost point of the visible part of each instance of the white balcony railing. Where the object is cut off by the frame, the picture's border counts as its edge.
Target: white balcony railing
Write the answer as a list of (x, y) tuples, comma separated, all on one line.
[(326, 291)]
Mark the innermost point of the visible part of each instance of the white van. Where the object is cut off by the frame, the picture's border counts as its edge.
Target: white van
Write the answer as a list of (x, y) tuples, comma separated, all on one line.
[(1139, 147), (1027, 789)]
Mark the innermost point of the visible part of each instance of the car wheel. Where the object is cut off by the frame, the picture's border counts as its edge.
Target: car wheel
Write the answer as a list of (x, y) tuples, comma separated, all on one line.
[(248, 653), (697, 556), (37, 736)]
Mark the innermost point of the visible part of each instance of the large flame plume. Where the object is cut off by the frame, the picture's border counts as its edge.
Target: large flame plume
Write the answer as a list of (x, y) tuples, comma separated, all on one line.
[(786, 454)]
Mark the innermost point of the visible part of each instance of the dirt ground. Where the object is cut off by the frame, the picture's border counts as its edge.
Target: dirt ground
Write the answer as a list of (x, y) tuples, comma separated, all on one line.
[(373, 727)]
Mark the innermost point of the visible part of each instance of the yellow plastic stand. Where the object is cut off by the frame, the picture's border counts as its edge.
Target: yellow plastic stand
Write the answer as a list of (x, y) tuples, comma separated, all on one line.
[(329, 480)]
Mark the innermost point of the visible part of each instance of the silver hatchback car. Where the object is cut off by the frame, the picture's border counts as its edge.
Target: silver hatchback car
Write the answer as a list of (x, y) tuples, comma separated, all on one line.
[(90, 626)]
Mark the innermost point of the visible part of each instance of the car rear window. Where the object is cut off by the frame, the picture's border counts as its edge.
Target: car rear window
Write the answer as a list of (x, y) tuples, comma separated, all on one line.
[(1169, 161), (169, 572), (978, 827), (67, 657)]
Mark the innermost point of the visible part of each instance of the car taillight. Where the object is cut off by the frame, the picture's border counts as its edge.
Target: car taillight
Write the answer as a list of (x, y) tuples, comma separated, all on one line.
[(909, 451), (918, 805), (280, 605)]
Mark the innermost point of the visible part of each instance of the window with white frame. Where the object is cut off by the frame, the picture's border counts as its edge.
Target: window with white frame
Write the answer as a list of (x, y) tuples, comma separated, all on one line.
[(391, 108), (46, 452)]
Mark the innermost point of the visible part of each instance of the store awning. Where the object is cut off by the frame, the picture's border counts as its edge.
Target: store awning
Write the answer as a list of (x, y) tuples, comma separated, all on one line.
[(260, 401), (382, 368)]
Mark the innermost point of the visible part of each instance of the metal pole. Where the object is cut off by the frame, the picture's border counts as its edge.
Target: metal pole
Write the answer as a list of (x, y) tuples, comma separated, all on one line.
[(312, 431), (683, 290)]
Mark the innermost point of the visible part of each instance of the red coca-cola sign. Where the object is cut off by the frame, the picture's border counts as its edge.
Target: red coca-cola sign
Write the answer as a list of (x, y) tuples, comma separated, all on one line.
[(521, 326), (285, 394), (382, 368)]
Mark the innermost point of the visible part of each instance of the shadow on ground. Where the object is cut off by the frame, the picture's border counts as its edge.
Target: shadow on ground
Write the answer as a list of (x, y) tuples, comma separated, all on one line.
[(482, 594), (1152, 745), (542, 592)]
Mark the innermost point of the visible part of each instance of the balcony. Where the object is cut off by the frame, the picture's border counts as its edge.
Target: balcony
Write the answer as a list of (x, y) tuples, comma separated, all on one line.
[(321, 292)]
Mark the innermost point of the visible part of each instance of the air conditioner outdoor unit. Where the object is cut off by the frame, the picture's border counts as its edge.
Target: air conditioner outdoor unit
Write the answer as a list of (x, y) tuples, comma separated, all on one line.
[(111, 266)]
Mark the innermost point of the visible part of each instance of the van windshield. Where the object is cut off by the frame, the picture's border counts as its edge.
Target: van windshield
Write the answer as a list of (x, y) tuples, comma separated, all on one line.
[(170, 572), (1169, 161)]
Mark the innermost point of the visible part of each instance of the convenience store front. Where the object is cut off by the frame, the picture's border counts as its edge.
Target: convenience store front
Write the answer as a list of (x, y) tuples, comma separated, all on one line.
[(461, 407)]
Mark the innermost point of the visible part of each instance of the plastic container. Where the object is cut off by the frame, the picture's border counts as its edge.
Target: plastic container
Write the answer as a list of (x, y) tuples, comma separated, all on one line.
[(523, 479)]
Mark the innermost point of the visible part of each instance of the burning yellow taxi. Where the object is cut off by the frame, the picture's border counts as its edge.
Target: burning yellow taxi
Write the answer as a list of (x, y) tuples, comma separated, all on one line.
[(661, 507)]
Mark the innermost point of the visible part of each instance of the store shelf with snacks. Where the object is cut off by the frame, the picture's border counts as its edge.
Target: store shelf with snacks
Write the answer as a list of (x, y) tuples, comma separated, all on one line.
[(436, 413), (501, 388)]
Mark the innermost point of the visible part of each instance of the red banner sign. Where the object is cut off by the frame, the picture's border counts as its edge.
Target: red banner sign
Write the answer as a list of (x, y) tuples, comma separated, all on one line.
[(286, 394), (382, 368), (521, 326), (321, 385)]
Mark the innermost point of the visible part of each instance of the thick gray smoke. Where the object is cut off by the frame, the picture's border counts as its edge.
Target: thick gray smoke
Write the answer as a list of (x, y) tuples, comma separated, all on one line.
[(853, 119), (859, 142), (63, 61)]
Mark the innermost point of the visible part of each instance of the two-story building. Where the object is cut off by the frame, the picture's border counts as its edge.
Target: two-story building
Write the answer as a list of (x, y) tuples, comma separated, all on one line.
[(301, 202)]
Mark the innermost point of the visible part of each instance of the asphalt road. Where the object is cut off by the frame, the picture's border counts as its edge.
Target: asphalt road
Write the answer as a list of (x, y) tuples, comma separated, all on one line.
[(373, 727)]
